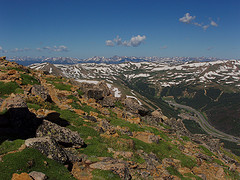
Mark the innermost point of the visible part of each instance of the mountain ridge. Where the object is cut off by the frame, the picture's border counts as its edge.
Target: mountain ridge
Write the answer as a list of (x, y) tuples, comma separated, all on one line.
[(96, 135)]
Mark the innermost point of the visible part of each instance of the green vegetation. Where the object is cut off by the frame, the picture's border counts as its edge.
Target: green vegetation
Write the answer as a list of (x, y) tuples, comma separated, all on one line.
[(8, 146), (206, 151), (27, 79), (104, 175), (8, 88), (62, 86), (33, 106), (3, 112), (165, 150), (71, 117), (96, 146), (15, 68), (193, 127), (185, 138), (119, 104), (192, 176), (232, 174), (32, 160), (173, 171)]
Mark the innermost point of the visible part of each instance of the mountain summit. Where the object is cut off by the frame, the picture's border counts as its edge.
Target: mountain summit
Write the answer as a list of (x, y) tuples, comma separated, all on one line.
[(55, 127)]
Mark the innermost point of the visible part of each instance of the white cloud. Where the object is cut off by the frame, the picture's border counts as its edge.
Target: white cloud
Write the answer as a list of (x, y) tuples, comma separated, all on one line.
[(135, 41), (110, 43), (187, 18), (1, 48), (61, 48), (118, 40), (205, 27), (213, 23)]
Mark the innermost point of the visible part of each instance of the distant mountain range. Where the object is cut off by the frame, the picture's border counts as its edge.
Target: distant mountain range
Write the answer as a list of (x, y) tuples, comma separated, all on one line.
[(112, 60), (211, 87)]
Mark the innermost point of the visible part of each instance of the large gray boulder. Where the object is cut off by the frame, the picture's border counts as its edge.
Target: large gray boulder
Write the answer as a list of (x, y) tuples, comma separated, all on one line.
[(133, 106), (49, 147), (61, 134), (41, 91)]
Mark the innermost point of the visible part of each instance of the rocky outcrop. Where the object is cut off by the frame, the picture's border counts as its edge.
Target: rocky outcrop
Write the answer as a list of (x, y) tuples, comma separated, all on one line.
[(49, 147), (40, 91), (3, 58), (133, 106), (60, 134), (108, 101), (116, 166)]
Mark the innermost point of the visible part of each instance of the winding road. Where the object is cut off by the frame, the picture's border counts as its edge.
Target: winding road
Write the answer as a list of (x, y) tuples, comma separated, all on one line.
[(205, 125)]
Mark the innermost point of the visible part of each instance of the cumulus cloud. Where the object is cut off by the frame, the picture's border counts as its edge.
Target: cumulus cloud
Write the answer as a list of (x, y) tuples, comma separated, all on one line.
[(135, 41), (109, 43), (205, 27), (213, 23), (118, 40), (61, 48), (187, 18)]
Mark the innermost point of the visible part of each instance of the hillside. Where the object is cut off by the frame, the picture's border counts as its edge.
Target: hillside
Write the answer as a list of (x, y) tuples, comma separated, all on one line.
[(66, 129)]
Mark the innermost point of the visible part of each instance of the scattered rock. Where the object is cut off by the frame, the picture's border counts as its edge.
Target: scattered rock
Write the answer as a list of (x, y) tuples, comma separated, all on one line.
[(38, 175), (146, 137), (14, 101), (108, 101), (95, 94), (113, 165), (81, 172), (90, 118), (40, 91), (49, 147), (133, 106), (22, 176), (60, 134)]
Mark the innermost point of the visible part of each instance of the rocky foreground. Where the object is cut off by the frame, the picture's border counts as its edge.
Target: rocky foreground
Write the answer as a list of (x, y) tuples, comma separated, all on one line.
[(56, 128)]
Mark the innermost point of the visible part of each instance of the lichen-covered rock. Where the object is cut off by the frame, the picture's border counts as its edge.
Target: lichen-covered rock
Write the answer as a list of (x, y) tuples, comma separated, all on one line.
[(108, 101), (104, 87), (38, 175), (40, 91), (14, 101), (116, 166), (49, 147), (72, 154), (60, 134), (133, 106), (22, 176)]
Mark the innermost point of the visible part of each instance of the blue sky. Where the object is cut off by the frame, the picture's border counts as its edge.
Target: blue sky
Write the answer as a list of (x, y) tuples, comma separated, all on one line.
[(76, 28)]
